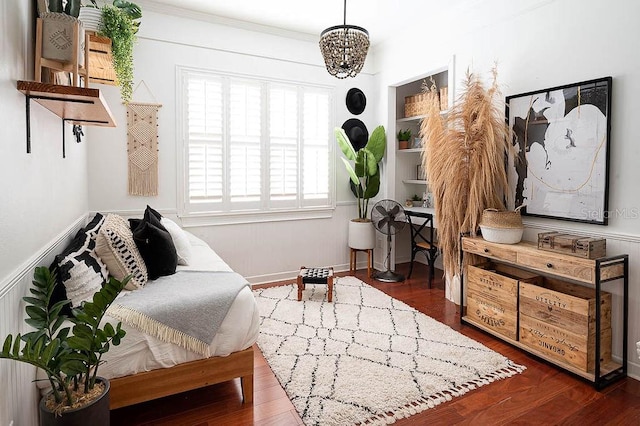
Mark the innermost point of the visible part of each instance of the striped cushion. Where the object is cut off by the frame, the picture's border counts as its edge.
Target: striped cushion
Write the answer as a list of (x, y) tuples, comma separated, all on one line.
[(117, 249)]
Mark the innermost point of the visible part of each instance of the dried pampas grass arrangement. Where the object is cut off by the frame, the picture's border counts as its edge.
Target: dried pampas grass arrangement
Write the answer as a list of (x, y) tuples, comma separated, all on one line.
[(464, 155)]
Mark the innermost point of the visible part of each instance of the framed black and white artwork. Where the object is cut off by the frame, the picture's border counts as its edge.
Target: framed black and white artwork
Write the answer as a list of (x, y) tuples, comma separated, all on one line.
[(559, 164)]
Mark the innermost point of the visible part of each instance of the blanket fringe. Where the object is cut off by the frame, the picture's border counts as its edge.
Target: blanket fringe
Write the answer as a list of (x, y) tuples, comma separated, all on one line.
[(430, 401), (158, 330)]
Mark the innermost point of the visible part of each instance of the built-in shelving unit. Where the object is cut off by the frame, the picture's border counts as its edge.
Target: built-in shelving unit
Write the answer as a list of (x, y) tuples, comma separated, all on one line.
[(76, 105), (407, 180), (406, 161)]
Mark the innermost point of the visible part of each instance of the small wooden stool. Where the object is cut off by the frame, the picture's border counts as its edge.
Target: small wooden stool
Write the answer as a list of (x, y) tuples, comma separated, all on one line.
[(352, 260), (315, 276)]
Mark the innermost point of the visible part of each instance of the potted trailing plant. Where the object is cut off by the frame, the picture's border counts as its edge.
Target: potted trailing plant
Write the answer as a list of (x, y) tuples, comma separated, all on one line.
[(403, 138), (119, 23), (70, 358), (364, 181)]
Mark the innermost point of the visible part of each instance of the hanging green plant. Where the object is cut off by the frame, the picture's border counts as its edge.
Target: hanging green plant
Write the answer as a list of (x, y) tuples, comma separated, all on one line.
[(121, 29)]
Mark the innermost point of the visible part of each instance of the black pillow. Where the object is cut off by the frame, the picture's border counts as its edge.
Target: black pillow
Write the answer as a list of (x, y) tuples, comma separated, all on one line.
[(149, 210), (155, 245)]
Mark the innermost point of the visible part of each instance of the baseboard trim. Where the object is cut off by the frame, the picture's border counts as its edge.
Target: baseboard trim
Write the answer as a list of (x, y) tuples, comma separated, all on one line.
[(54, 246)]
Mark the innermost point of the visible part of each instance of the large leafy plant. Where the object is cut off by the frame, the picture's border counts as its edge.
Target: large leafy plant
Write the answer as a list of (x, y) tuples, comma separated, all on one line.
[(70, 360), (365, 172)]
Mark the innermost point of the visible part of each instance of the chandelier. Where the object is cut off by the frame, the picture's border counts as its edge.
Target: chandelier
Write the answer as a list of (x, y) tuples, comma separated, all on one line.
[(344, 48)]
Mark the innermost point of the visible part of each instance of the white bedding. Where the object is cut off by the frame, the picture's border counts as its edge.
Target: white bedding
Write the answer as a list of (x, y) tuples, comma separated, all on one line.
[(140, 352)]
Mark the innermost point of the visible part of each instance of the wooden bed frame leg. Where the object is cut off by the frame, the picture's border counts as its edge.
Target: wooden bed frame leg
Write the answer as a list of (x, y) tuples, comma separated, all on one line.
[(247, 389)]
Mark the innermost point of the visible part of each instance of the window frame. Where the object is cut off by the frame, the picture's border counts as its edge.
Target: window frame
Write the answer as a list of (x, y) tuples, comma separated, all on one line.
[(257, 213)]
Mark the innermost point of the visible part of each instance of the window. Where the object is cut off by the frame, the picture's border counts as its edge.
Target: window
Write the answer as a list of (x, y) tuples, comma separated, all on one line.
[(254, 146)]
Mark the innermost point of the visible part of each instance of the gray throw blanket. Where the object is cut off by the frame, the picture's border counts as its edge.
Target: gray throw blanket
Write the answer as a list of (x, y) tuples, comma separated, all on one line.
[(186, 308)]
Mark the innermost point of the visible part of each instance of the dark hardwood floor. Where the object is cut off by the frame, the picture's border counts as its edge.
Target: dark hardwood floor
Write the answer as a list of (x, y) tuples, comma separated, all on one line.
[(542, 395)]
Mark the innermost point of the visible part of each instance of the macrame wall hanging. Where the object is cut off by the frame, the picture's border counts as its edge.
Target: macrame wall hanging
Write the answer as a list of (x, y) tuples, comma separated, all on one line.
[(142, 146)]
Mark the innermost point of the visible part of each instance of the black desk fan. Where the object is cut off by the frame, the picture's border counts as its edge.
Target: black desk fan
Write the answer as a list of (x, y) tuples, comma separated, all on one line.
[(388, 218)]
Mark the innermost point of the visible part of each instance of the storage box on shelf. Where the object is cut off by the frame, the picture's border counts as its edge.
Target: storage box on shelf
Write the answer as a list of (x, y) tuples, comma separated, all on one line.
[(101, 60), (575, 245), (565, 323)]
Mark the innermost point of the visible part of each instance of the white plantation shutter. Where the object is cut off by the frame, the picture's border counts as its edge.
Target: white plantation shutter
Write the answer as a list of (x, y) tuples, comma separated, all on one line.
[(245, 142), (205, 132), (283, 144), (315, 147), (255, 146)]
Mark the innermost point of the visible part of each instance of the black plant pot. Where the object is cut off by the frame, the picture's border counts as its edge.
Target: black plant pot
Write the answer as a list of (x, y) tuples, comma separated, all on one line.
[(94, 414)]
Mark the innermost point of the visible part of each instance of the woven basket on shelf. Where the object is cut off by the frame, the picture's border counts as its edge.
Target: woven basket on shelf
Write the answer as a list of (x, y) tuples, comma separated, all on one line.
[(502, 226)]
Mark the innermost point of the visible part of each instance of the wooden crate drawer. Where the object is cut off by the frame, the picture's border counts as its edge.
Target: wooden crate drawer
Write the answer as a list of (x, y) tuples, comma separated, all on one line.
[(571, 307), (492, 295), (495, 313), (489, 277), (487, 249), (561, 345), (558, 264)]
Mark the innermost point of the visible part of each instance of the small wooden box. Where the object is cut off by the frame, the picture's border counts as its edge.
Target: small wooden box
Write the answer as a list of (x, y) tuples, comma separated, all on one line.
[(558, 318), (101, 61), (492, 296), (566, 347), (574, 245)]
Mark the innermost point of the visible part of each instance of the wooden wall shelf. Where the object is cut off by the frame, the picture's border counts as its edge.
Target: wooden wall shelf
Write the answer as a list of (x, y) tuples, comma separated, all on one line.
[(77, 105)]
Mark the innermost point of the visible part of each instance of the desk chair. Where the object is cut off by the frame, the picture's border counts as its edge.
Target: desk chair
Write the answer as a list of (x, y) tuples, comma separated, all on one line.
[(422, 240)]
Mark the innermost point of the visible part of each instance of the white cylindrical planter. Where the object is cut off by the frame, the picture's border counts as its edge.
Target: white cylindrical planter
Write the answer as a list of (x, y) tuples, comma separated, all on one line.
[(91, 18), (362, 235)]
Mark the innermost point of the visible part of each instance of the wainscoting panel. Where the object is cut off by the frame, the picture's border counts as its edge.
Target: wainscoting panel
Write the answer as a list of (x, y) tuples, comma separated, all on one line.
[(18, 394)]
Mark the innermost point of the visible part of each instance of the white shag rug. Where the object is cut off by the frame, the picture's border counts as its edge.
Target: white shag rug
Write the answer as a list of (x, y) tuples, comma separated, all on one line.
[(366, 358)]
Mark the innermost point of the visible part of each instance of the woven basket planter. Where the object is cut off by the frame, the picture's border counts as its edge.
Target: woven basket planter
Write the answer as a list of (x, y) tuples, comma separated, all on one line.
[(502, 226)]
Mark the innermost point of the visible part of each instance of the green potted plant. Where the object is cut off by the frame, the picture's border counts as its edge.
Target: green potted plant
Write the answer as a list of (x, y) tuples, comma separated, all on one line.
[(403, 138), (416, 200), (69, 357), (119, 23), (364, 181)]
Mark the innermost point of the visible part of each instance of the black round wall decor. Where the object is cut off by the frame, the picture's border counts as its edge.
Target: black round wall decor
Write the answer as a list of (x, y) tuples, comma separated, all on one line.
[(357, 133), (356, 101)]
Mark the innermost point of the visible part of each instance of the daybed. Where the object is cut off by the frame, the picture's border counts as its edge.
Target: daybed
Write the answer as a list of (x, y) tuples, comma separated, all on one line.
[(144, 367)]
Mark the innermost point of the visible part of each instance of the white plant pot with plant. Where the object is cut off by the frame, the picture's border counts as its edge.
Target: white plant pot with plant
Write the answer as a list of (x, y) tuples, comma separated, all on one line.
[(364, 181)]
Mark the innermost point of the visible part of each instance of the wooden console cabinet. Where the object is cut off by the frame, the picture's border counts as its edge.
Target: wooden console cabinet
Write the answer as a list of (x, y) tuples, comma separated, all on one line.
[(500, 288)]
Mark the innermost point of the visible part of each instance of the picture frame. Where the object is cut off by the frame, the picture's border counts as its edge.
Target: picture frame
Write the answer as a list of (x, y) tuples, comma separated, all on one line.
[(417, 143), (559, 165)]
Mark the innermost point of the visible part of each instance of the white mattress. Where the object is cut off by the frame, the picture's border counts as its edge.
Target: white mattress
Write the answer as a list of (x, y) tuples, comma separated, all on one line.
[(140, 352)]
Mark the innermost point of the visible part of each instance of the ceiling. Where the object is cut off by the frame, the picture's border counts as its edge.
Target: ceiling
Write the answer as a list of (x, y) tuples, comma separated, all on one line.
[(380, 17)]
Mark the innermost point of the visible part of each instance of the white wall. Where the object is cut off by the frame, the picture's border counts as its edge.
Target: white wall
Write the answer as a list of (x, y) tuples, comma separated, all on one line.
[(259, 251), (41, 195), (539, 44)]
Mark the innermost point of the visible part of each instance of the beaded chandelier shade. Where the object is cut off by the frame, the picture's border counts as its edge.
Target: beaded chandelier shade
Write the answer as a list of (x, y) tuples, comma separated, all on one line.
[(344, 48)]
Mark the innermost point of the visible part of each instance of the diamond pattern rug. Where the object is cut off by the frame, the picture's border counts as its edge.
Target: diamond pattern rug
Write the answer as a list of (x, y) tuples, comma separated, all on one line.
[(366, 358)]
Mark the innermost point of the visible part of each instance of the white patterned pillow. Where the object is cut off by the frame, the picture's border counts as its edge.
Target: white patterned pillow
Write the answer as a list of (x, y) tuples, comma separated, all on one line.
[(117, 249), (79, 270)]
